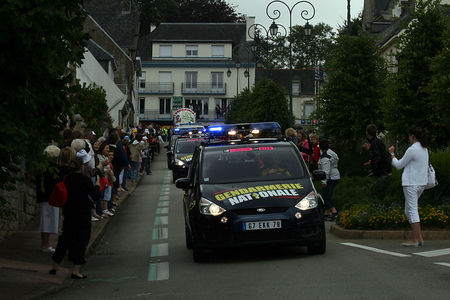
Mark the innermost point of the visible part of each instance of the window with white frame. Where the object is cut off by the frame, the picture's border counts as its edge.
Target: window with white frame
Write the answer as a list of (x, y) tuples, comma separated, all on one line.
[(191, 80), (296, 87), (142, 79), (141, 106), (217, 50), (191, 50), (164, 106), (165, 81), (309, 109), (165, 50), (217, 80)]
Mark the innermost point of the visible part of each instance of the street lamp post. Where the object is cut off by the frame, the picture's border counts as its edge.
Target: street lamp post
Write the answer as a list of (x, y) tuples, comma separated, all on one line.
[(273, 32), (238, 64)]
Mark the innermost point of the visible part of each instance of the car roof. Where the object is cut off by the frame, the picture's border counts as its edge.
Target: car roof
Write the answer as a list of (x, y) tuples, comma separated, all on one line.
[(250, 142)]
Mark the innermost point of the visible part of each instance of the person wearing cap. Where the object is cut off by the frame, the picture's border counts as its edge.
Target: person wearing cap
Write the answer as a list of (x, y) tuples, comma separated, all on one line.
[(88, 137), (44, 186), (146, 157), (135, 154)]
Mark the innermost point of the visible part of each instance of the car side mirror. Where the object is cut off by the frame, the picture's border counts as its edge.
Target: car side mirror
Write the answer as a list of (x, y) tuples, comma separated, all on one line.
[(318, 175), (183, 183)]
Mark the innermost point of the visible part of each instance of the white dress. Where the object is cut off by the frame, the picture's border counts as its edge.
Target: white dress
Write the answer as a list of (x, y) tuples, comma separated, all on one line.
[(49, 218)]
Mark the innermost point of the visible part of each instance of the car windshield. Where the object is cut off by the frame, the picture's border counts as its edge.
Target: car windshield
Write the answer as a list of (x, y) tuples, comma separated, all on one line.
[(187, 145), (252, 163)]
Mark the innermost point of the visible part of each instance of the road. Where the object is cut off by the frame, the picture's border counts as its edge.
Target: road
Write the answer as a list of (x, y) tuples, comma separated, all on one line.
[(143, 256)]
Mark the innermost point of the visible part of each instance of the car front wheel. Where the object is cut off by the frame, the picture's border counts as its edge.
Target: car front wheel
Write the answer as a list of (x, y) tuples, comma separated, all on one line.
[(188, 237), (319, 247)]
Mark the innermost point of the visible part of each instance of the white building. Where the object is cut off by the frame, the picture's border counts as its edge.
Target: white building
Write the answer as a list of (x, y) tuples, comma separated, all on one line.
[(98, 68), (198, 65)]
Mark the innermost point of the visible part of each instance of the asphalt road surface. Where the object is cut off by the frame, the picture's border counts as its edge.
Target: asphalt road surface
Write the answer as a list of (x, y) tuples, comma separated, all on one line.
[(143, 256)]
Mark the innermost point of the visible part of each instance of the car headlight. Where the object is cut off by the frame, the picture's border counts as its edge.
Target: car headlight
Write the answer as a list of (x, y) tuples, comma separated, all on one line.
[(308, 202), (179, 162), (209, 208)]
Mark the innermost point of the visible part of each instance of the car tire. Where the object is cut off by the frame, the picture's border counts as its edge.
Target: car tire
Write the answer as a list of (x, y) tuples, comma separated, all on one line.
[(174, 178), (188, 237), (198, 253), (320, 246)]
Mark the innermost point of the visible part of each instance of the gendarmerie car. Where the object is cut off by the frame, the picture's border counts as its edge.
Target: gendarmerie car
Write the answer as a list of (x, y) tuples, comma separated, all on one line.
[(251, 191), (182, 154), (182, 129)]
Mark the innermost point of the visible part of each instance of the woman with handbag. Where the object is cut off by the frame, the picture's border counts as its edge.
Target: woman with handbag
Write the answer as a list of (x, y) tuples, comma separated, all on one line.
[(414, 179), (77, 218)]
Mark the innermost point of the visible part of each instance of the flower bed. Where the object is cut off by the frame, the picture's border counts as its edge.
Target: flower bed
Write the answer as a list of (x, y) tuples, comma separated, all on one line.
[(370, 216)]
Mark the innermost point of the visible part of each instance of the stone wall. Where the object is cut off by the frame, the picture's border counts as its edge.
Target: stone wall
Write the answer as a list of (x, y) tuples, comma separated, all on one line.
[(20, 209)]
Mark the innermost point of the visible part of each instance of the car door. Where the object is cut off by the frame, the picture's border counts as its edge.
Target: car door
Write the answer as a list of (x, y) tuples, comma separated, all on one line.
[(190, 199)]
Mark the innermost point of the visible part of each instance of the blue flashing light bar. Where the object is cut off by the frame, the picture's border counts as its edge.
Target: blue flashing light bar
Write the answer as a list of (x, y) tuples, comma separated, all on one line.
[(176, 129), (215, 129)]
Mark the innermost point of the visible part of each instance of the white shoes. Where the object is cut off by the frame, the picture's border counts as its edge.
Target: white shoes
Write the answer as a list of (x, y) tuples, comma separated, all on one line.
[(48, 250), (108, 213)]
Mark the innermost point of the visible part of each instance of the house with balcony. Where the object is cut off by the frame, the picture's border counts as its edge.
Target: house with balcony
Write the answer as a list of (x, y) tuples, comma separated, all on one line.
[(306, 85), (195, 65), (114, 26)]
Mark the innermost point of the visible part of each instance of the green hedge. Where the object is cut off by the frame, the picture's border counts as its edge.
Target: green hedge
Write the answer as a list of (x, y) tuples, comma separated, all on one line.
[(367, 202)]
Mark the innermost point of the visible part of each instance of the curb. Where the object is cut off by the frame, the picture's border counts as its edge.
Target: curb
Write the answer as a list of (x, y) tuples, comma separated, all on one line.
[(97, 231), (400, 234)]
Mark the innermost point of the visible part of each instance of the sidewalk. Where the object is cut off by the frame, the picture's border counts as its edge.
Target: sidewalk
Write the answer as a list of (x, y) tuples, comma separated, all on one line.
[(24, 267)]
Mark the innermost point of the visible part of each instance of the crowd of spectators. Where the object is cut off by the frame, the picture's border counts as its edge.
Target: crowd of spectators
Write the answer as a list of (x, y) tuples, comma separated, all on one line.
[(95, 170)]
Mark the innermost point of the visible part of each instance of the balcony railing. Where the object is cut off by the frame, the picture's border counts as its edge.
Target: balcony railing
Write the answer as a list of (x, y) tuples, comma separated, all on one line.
[(155, 115), (204, 88), (156, 88)]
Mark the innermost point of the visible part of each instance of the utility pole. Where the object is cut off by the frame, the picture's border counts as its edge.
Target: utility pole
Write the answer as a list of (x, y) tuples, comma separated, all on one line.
[(348, 17)]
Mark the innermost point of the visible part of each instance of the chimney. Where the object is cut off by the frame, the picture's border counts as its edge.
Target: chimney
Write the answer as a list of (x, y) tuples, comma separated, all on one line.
[(249, 21)]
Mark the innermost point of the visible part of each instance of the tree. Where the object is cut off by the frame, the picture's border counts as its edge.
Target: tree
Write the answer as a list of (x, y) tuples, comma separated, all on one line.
[(408, 101), (307, 51), (213, 11), (351, 97), (157, 11), (266, 102), (439, 89), (190, 11), (41, 39), (90, 103)]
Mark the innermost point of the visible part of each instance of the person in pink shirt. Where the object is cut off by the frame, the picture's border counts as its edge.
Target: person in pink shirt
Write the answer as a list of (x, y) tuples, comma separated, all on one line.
[(303, 146)]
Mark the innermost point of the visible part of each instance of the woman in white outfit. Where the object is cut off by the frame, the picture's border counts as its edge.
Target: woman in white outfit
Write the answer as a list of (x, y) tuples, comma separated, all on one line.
[(414, 179)]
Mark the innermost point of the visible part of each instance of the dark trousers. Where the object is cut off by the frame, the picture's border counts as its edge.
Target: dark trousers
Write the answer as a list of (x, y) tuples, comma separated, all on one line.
[(146, 165), (75, 238), (327, 193)]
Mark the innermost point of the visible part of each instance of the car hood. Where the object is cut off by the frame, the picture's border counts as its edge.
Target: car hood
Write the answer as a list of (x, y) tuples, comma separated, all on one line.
[(285, 193)]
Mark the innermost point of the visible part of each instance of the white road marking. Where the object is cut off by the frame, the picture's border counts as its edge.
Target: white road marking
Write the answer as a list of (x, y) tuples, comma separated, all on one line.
[(376, 250), (442, 264), (158, 271), (161, 220), (434, 253), (163, 203), (160, 250)]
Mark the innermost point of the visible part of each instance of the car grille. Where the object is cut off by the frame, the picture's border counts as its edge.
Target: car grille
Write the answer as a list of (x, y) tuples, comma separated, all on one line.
[(263, 235), (253, 211)]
